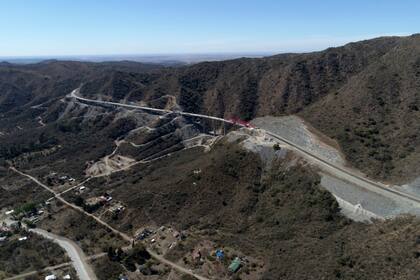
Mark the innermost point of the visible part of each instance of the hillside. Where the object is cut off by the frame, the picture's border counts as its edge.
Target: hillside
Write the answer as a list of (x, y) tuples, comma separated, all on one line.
[(363, 94), (25, 86), (198, 191), (279, 216), (375, 115)]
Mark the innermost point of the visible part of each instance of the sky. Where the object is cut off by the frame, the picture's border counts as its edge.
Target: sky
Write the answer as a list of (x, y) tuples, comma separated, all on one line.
[(127, 27)]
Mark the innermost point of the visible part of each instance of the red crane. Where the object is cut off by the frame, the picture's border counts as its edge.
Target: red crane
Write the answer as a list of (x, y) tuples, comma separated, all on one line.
[(240, 122)]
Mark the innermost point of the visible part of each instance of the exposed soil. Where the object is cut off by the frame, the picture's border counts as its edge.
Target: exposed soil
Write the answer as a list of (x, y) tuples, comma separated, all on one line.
[(282, 217)]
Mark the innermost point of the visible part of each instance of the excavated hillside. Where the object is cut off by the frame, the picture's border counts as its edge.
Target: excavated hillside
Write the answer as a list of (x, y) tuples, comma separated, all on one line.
[(277, 214), (221, 190), (364, 95)]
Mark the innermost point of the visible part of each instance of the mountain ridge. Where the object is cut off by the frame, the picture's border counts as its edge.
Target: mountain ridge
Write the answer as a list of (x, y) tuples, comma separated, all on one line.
[(355, 94)]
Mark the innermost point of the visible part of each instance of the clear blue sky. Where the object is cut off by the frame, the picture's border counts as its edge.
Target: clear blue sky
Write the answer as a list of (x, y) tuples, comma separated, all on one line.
[(99, 27)]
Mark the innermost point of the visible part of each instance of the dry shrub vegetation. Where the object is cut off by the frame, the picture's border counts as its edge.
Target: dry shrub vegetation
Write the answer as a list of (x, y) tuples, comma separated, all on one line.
[(283, 216), (36, 253)]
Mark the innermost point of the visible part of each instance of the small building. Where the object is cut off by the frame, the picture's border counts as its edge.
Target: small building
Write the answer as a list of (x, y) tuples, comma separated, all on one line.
[(106, 198), (117, 208), (67, 277), (5, 229), (23, 239), (106, 195), (51, 277), (176, 234), (144, 234), (95, 201), (196, 255), (15, 225), (3, 239), (33, 219), (235, 265), (183, 235), (10, 212), (220, 255)]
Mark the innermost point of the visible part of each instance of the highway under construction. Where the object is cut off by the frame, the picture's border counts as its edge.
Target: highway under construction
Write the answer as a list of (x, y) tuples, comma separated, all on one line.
[(348, 178)]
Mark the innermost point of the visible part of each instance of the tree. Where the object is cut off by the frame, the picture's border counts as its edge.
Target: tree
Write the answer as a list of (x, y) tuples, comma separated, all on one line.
[(79, 201), (111, 254), (120, 254)]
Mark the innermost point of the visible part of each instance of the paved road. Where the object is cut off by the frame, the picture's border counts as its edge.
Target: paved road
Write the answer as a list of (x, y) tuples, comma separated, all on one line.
[(349, 175), (327, 166), (83, 269), (55, 267), (121, 234), (79, 209), (147, 109)]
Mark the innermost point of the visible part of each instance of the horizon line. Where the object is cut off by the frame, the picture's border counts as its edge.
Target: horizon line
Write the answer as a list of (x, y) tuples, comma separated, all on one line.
[(320, 43)]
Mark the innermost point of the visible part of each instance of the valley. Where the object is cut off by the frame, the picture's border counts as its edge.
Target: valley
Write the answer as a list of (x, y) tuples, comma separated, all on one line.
[(208, 172)]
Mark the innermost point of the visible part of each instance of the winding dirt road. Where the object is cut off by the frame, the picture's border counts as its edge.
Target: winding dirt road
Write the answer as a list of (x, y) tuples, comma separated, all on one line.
[(121, 234), (330, 167), (34, 272)]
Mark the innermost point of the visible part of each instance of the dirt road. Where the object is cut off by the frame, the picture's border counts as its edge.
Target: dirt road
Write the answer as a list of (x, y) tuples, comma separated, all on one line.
[(83, 268), (121, 234), (34, 272), (407, 200)]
